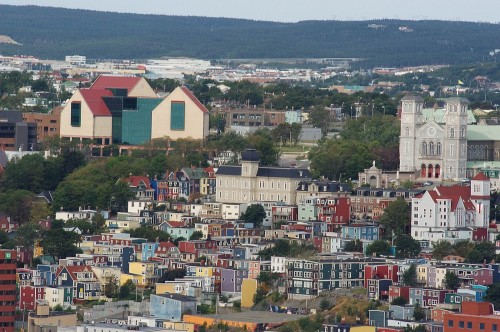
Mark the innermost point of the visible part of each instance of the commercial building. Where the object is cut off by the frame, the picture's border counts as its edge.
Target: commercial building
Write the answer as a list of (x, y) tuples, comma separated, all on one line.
[(16, 134), (126, 110), (475, 316), (47, 124), (7, 289)]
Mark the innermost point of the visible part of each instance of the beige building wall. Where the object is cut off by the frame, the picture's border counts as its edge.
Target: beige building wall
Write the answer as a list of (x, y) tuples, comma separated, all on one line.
[(102, 126), (238, 189), (196, 121), (142, 89), (86, 128)]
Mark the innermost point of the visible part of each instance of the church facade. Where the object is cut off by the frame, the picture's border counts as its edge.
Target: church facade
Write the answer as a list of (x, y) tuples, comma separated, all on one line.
[(433, 142)]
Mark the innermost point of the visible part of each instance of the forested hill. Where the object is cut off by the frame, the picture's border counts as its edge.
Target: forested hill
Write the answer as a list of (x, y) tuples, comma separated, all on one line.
[(55, 32)]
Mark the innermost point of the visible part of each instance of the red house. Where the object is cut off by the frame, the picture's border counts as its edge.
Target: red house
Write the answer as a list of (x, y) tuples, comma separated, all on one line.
[(28, 295), (335, 211), (483, 276), (399, 291)]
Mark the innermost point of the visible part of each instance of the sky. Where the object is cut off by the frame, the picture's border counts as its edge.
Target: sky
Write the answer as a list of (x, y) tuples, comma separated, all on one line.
[(295, 10)]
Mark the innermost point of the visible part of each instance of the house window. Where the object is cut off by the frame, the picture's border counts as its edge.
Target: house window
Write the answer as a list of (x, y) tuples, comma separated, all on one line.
[(469, 325), (481, 326), (461, 324), (76, 114), (177, 115)]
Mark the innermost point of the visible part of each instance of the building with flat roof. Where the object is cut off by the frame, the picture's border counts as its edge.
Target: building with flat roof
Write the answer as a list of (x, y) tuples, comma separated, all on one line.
[(8, 286), (15, 134)]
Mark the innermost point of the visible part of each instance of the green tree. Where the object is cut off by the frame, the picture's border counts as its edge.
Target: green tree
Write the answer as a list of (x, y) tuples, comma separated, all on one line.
[(378, 248), (262, 141), (407, 247), (451, 280), (111, 289), (493, 295), (127, 290), (171, 275), (197, 235), (419, 313), (396, 218), (255, 214), (325, 305), (59, 243), (410, 276), (462, 248), (482, 252), (399, 301), (27, 234), (150, 234), (17, 204), (354, 246), (339, 158), (441, 249)]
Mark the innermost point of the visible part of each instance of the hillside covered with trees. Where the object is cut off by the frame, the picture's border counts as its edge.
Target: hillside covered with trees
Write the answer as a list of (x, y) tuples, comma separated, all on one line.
[(55, 32)]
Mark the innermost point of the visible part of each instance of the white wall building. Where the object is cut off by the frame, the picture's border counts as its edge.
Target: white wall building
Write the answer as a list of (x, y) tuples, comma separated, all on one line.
[(446, 208)]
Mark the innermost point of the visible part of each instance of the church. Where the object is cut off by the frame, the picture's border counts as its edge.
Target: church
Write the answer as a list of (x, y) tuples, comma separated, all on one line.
[(433, 142)]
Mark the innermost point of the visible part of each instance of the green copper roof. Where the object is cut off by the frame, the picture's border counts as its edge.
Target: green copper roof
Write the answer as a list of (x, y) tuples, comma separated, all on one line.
[(437, 115), (483, 133)]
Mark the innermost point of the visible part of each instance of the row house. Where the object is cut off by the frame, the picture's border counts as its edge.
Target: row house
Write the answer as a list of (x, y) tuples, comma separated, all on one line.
[(29, 296), (399, 291), (283, 213), (196, 248), (231, 280), (335, 211), (302, 279), (332, 242), (344, 273), (371, 202), (248, 235), (427, 297), (167, 250), (141, 186), (318, 189), (142, 273), (378, 289), (177, 229), (84, 283), (307, 209), (382, 271), (359, 231)]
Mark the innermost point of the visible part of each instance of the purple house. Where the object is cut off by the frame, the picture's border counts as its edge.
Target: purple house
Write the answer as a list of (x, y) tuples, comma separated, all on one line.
[(231, 280)]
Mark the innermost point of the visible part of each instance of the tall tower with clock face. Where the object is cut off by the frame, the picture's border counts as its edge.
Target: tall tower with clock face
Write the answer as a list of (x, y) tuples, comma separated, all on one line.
[(411, 121), (455, 139)]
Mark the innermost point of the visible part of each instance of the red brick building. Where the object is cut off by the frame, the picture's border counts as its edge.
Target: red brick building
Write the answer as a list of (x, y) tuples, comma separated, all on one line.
[(7, 290), (475, 316)]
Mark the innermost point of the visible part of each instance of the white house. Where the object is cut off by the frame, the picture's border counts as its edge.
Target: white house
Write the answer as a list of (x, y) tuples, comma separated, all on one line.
[(447, 208)]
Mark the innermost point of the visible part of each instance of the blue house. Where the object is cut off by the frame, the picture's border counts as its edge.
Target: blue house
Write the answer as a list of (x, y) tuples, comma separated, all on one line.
[(360, 232), (172, 306)]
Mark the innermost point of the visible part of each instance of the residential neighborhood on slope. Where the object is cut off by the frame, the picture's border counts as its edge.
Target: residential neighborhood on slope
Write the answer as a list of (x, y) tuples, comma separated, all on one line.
[(239, 243)]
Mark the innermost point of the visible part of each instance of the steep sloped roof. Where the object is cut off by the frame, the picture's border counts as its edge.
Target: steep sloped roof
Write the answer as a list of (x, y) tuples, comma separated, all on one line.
[(115, 82), (93, 98), (198, 103), (481, 177)]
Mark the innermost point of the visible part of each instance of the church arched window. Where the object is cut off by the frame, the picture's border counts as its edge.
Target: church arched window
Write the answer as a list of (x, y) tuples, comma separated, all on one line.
[(407, 131), (462, 132), (424, 148), (438, 148), (452, 133), (431, 148)]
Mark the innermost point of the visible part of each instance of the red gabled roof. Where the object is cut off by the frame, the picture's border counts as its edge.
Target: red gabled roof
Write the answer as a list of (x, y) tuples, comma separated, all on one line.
[(453, 193), (481, 177), (73, 270), (168, 245), (93, 98), (116, 82), (135, 180), (194, 99)]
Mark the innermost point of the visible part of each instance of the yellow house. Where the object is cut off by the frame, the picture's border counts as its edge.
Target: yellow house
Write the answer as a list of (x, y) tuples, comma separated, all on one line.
[(422, 273), (204, 271), (180, 115), (248, 290), (143, 274)]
